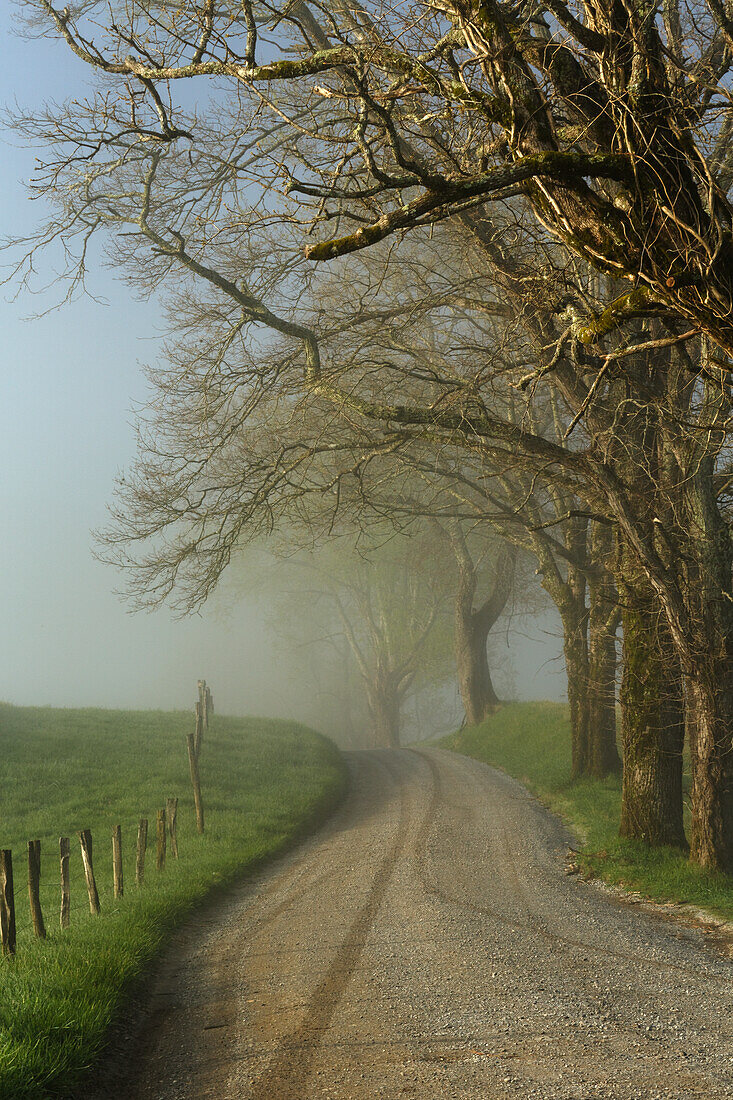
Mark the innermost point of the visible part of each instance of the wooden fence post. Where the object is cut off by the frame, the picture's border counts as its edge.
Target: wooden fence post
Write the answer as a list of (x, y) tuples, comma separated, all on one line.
[(196, 783), (208, 706), (142, 843), (199, 735), (117, 860), (202, 702), (85, 839), (160, 860), (34, 887), (171, 813), (7, 902), (65, 853)]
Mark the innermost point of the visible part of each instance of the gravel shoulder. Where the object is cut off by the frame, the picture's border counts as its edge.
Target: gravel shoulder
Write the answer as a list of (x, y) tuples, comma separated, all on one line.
[(427, 943)]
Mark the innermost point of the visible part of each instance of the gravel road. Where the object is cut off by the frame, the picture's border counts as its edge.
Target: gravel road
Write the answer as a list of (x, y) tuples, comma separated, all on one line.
[(427, 943)]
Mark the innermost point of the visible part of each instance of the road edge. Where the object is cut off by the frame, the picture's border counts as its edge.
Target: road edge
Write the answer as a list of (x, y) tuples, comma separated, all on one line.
[(109, 1070)]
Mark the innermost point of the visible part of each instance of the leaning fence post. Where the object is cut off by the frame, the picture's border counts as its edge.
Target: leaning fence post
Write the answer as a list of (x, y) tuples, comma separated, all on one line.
[(171, 813), (85, 839), (195, 782), (199, 735), (64, 854), (34, 887), (117, 860), (7, 902), (160, 858), (142, 843)]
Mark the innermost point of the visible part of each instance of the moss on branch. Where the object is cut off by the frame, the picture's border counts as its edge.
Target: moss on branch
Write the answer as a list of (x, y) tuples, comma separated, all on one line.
[(439, 203), (635, 303)]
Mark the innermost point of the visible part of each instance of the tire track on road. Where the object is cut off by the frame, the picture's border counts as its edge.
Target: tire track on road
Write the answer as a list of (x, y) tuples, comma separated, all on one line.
[(286, 1076), (357, 969)]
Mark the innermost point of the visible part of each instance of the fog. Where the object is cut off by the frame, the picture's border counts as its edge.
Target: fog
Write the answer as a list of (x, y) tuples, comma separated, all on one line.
[(71, 380), (69, 640)]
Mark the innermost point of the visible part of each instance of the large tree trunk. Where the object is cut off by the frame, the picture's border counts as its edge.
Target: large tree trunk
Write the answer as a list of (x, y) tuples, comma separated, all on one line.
[(569, 599), (711, 704), (603, 619), (575, 647), (472, 627), (347, 700), (709, 675), (653, 727), (472, 665), (385, 708), (652, 710), (603, 755), (575, 626)]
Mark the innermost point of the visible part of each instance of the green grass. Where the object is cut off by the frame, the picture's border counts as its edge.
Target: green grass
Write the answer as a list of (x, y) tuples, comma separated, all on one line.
[(264, 782), (531, 741)]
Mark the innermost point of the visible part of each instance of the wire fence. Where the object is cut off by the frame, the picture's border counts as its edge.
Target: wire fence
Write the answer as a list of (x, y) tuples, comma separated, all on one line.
[(164, 837)]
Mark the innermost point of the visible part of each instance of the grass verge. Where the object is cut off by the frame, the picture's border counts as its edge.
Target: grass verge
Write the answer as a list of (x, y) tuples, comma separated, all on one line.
[(531, 741), (264, 783)]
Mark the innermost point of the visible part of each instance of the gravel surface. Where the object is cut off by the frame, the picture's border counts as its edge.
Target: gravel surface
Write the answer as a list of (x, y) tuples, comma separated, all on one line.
[(427, 943)]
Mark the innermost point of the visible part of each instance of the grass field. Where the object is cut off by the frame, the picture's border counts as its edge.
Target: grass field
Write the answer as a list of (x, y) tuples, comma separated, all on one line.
[(532, 742), (263, 783)]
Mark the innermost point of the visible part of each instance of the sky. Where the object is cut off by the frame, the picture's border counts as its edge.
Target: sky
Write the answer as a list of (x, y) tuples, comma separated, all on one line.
[(70, 381)]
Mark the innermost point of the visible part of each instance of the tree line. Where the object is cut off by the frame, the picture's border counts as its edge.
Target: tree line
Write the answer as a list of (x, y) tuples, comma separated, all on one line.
[(391, 635), (467, 261)]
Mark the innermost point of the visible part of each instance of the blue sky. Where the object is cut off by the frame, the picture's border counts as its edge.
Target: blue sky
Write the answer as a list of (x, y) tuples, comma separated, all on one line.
[(69, 382)]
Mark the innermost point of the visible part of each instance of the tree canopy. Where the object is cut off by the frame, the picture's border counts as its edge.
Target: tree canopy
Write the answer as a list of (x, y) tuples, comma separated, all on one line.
[(486, 237)]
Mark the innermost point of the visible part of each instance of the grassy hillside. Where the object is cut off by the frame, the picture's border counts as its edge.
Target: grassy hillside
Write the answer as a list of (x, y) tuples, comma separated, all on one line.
[(61, 771), (532, 742)]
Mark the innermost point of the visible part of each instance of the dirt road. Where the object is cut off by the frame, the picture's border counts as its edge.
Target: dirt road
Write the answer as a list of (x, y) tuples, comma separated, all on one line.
[(428, 944)]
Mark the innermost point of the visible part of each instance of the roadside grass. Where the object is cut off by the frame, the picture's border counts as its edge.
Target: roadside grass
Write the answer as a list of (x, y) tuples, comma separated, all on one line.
[(264, 782), (531, 741)]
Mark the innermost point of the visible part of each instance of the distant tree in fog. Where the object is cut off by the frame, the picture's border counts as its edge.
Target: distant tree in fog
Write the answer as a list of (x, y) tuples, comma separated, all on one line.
[(384, 600)]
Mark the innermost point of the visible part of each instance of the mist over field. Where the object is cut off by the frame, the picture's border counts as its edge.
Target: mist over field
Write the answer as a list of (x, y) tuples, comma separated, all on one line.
[(71, 380), (69, 641)]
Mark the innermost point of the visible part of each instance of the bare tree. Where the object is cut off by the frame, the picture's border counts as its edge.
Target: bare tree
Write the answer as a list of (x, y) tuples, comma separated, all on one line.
[(606, 131), (390, 601)]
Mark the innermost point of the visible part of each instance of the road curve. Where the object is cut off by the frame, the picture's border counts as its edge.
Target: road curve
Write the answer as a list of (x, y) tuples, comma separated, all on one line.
[(427, 944)]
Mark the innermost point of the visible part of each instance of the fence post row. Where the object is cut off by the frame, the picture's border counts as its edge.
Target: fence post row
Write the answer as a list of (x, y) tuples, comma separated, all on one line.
[(64, 854), (7, 902), (166, 825), (34, 887)]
